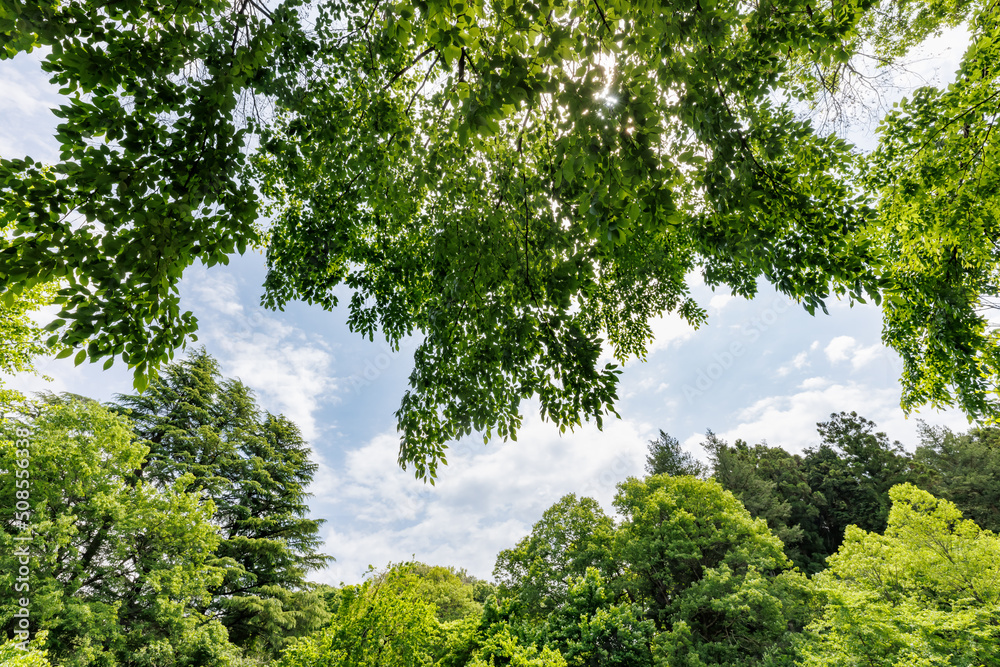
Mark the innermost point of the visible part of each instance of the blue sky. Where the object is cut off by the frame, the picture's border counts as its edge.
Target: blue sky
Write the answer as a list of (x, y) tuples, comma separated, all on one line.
[(759, 370)]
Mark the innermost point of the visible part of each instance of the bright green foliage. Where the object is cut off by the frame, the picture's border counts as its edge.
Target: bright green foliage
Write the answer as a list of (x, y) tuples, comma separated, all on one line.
[(255, 467), (119, 567), (572, 536), (445, 589), (501, 648), (383, 621), (667, 458), (707, 572), (150, 151), (16, 654), (752, 474), (936, 174), (853, 469), (926, 593), (589, 628), (687, 575), (518, 182), (21, 340), (965, 469), (504, 636), (674, 529), (458, 642)]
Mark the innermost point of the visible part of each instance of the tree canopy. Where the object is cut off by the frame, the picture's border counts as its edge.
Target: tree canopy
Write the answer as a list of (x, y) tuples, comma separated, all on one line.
[(21, 339), (178, 534), (118, 567), (516, 183), (926, 592), (255, 467), (128, 536)]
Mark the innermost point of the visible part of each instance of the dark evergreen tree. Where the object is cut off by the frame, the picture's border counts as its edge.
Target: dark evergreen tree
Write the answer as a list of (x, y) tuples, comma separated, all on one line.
[(965, 469), (255, 467), (772, 485), (852, 471), (666, 457), (808, 501)]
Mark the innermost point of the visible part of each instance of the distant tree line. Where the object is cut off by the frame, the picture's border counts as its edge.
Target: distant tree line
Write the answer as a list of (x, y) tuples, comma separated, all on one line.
[(172, 528), (809, 499)]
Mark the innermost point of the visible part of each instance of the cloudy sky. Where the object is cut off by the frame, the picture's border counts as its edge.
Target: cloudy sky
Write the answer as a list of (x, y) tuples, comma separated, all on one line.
[(759, 370)]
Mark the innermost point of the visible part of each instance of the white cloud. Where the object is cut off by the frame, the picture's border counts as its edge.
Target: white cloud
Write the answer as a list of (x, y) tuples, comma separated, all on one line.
[(24, 93), (720, 301), (288, 378), (789, 421), (815, 383), (26, 98), (217, 292), (844, 348), (866, 355), (671, 330), (800, 361), (290, 371), (839, 348)]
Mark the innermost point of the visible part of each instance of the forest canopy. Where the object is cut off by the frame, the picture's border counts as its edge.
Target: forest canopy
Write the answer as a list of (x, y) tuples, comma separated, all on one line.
[(515, 183), (172, 527), (172, 524)]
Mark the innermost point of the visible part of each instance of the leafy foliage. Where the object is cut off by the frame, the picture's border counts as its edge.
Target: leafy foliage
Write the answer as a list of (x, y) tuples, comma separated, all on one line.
[(853, 469), (516, 184), (925, 593), (21, 340), (686, 575), (255, 468), (666, 457), (27, 654), (147, 178), (452, 597), (753, 475), (964, 469), (501, 648), (809, 500), (708, 573), (118, 567), (936, 176), (572, 536), (485, 176), (591, 628), (383, 621)]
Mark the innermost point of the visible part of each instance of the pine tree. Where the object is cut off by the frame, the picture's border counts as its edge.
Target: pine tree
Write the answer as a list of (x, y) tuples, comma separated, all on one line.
[(255, 466)]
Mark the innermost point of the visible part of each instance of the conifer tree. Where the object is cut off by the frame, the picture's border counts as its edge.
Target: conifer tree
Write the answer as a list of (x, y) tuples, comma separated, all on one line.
[(255, 467)]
